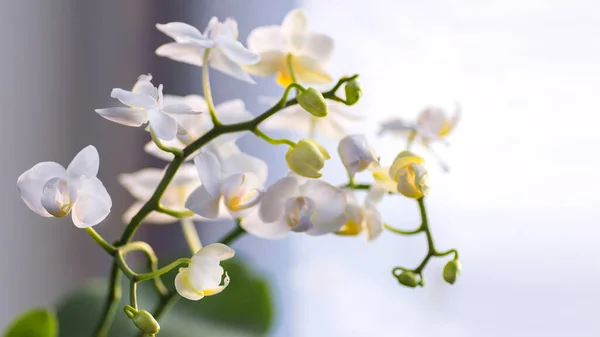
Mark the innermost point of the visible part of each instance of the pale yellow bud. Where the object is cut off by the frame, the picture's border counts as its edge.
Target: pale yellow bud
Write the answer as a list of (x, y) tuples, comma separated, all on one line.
[(353, 92), (410, 174), (313, 101), (307, 158)]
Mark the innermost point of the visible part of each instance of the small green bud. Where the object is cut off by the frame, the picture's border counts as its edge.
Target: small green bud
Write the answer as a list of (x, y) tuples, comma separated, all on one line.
[(452, 271), (143, 320), (409, 279), (313, 101), (353, 92)]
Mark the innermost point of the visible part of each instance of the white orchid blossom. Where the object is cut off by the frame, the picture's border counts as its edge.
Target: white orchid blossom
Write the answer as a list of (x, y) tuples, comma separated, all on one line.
[(193, 127), (291, 44), (433, 125), (143, 183), (333, 126), (313, 207), (51, 190), (357, 154), (145, 104), (227, 54), (365, 217), (203, 276), (234, 182)]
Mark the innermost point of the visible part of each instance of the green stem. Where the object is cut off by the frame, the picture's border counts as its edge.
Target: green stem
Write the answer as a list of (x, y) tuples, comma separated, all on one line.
[(163, 270), (174, 213), (160, 145), (110, 249), (133, 294), (152, 261), (120, 260), (234, 234), (282, 141), (153, 202), (191, 235), (352, 185), (291, 67), (401, 232), (206, 88), (448, 252), (111, 303)]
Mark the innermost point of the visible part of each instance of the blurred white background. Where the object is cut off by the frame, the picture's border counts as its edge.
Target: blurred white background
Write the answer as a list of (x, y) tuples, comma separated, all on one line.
[(520, 201)]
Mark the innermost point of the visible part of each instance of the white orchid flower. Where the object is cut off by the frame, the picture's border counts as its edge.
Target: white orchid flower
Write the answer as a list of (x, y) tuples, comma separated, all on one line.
[(333, 126), (364, 217), (313, 207), (433, 125), (203, 276), (50, 190), (227, 53), (145, 104), (357, 154), (235, 183), (143, 183), (308, 52), (192, 127), (407, 175)]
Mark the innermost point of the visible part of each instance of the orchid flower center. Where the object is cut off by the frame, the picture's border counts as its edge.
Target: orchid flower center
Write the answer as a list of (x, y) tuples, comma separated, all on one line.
[(299, 213), (57, 197)]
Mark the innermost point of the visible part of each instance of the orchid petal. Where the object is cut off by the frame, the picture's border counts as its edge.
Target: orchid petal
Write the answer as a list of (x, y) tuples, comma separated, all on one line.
[(124, 116), (86, 163), (93, 203)]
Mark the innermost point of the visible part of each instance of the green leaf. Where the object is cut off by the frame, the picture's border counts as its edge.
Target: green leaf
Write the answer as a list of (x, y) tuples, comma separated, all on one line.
[(244, 309), (34, 323)]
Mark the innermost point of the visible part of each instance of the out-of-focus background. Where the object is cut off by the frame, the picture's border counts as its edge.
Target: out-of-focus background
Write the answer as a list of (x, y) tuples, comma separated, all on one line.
[(519, 201)]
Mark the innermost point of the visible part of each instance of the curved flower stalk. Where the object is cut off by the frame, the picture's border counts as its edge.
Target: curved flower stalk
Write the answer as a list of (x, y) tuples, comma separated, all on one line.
[(51, 190), (334, 126), (433, 125), (313, 207), (291, 46), (365, 217), (237, 186), (146, 105), (227, 54), (142, 184), (203, 276)]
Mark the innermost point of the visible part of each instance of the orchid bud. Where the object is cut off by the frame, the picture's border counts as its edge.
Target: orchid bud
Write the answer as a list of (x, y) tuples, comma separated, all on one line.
[(307, 158), (313, 101), (408, 279), (353, 92), (410, 174), (143, 320), (357, 154), (452, 271)]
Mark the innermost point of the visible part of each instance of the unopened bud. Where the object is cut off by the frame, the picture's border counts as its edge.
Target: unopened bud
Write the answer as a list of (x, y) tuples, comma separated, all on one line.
[(353, 92), (307, 158), (313, 101), (143, 320), (452, 271), (409, 279)]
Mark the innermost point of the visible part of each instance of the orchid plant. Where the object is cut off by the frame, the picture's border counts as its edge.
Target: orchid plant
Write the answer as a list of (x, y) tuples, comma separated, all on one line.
[(209, 177)]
